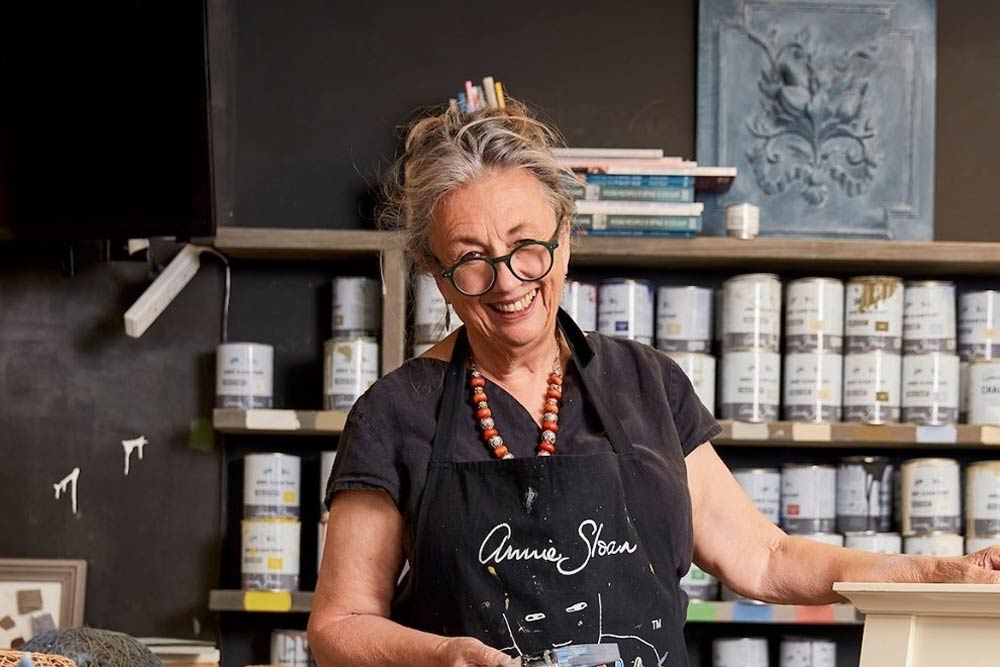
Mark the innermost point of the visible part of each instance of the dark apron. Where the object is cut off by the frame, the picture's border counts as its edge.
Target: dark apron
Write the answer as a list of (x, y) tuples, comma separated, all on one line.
[(530, 553)]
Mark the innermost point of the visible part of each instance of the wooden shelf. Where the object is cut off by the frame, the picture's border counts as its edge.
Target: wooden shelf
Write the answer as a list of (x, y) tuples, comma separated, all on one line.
[(316, 244), (261, 601), (840, 434), (752, 612), (286, 422)]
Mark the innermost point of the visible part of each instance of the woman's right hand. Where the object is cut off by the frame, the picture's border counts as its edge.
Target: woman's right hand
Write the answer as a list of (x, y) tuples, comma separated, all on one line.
[(470, 652)]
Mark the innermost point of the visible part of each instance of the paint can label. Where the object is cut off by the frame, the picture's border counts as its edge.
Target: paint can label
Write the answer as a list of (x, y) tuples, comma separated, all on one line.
[(930, 388), (801, 652), (751, 381), (270, 554), (626, 310), (979, 325), (864, 496), (814, 316), (357, 306), (931, 498), (808, 499), (700, 370), (813, 386), (751, 312), (684, 319), (350, 368), (872, 386), (271, 485), (929, 318), (579, 300), (874, 314), (982, 488), (763, 485), (244, 376), (984, 392)]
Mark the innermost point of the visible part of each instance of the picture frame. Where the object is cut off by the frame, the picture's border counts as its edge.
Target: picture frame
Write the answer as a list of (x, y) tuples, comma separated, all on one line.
[(37, 595)]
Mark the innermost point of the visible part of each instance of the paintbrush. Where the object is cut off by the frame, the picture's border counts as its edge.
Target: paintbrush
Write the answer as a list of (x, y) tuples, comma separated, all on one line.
[(575, 655)]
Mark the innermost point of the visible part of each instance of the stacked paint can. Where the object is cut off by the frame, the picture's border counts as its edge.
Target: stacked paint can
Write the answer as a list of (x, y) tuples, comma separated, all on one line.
[(244, 376), (864, 504), (290, 648), (625, 309), (699, 585), (931, 504), (814, 344), (684, 332), (874, 340), (740, 652), (433, 317), (327, 459), (351, 356), (751, 334), (930, 381), (763, 486), (809, 501), (271, 527), (979, 349), (982, 505), (807, 652), (579, 300)]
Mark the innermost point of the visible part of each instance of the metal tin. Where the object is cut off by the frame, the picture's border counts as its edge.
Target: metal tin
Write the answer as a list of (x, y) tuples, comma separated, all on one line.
[(580, 301), (982, 499), (935, 544), (742, 221), (350, 367), (763, 485), (700, 585), (684, 319), (807, 652), (430, 312), (872, 383), (700, 369), (808, 498), (751, 385), (357, 307), (272, 485), (874, 314), (814, 315), (244, 376), (326, 461), (626, 309), (931, 498), (864, 494), (833, 539), (979, 325), (289, 648), (751, 312), (270, 550), (930, 388), (929, 317), (739, 652), (879, 543), (813, 386), (974, 544), (984, 392)]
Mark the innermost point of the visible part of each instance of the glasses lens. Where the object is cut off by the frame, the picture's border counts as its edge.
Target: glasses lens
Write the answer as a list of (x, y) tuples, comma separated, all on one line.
[(473, 277), (531, 261)]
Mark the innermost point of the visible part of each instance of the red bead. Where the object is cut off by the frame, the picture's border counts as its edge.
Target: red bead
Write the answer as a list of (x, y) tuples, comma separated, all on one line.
[(500, 452), (478, 396), (550, 426), (553, 393), (555, 379), (550, 448), (554, 409), (489, 433), (483, 413), (477, 382)]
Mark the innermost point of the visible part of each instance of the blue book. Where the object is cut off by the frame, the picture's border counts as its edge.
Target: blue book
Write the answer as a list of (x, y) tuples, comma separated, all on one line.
[(640, 180), (646, 233)]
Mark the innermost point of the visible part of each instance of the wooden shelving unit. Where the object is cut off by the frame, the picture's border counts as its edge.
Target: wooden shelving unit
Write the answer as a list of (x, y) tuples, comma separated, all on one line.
[(260, 601), (287, 422), (842, 434), (753, 612)]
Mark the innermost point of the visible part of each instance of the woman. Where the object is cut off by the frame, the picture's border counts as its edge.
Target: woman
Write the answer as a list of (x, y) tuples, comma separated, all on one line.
[(545, 487)]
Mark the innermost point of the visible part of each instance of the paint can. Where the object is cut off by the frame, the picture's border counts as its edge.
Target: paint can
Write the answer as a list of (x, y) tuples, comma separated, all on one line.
[(872, 383), (833, 539), (763, 485), (357, 307), (807, 652), (430, 312), (742, 221), (974, 544), (751, 312), (289, 648), (930, 388), (874, 314), (813, 386), (272, 485), (751, 385), (814, 315), (929, 317), (718, 319), (271, 554), (700, 585), (244, 376), (626, 309), (700, 370), (808, 498), (684, 319), (350, 366), (979, 325), (984, 392), (864, 494), (326, 461), (739, 652), (963, 391), (982, 499), (879, 543), (934, 544), (932, 502), (321, 539), (580, 301)]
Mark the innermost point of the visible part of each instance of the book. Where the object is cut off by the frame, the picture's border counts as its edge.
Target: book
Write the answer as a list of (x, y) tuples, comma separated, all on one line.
[(597, 192), (627, 166), (627, 153), (643, 233), (637, 181), (639, 208), (182, 652), (637, 223)]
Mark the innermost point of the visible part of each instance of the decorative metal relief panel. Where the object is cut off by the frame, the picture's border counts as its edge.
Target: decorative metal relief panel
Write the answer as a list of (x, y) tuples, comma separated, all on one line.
[(827, 110)]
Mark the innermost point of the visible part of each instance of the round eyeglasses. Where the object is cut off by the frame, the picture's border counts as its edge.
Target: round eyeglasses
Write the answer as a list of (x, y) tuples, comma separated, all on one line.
[(531, 260)]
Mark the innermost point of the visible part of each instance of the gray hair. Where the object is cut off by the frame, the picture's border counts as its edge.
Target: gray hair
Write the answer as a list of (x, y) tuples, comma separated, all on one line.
[(450, 148)]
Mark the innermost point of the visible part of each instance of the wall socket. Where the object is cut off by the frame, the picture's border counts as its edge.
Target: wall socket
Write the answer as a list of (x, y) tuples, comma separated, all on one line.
[(167, 285)]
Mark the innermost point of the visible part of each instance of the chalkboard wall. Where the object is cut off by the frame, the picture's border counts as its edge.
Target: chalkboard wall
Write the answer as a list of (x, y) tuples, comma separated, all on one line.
[(308, 97)]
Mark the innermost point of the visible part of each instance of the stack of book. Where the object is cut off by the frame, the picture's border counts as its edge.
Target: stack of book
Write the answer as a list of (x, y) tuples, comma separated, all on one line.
[(183, 652), (638, 191)]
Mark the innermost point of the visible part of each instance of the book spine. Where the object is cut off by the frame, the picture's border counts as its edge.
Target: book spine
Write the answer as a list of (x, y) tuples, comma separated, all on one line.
[(624, 181), (624, 153), (644, 233), (595, 192), (667, 223)]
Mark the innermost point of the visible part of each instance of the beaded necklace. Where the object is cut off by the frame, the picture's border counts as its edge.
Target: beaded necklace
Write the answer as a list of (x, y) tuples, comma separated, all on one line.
[(550, 417)]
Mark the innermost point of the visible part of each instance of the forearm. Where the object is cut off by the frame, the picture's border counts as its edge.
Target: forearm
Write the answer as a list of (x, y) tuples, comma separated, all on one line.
[(368, 640)]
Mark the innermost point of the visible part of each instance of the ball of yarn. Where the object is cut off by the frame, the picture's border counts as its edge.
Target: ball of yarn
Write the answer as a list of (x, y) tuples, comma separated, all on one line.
[(91, 647)]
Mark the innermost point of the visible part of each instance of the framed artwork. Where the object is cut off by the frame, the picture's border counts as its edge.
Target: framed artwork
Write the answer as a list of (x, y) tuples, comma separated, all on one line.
[(38, 595)]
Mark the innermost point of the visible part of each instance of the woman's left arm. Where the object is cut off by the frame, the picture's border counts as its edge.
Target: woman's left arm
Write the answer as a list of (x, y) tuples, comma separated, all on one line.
[(755, 558)]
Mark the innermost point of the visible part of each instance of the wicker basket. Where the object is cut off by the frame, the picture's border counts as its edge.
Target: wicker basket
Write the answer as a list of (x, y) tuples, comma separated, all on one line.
[(13, 659)]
